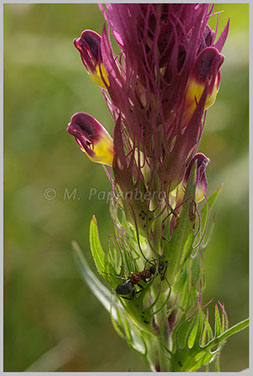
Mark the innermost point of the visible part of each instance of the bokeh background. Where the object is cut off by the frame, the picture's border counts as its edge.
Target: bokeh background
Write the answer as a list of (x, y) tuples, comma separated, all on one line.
[(52, 322)]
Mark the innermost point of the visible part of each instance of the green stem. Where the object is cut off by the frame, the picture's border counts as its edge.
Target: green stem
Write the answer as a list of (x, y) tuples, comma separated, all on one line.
[(163, 361), (159, 317)]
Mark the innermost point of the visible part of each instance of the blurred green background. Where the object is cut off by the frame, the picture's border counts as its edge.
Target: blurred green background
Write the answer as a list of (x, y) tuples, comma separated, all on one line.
[(52, 322)]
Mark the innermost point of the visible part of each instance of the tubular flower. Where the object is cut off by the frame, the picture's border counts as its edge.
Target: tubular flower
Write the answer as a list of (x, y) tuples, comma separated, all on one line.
[(89, 46), (92, 138), (201, 181)]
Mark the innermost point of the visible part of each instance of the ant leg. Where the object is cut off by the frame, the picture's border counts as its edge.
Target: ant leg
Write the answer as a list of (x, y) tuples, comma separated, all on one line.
[(167, 281), (125, 297), (138, 284), (163, 277), (121, 267), (166, 267), (141, 288), (124, 279), (163, 274), (145, 264), (132, 297)]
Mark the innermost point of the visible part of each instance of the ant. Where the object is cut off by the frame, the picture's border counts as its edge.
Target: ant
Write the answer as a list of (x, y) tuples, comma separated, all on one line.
[(145, 275)]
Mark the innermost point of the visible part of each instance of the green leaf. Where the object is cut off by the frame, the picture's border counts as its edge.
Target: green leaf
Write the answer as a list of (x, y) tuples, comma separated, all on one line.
[(103, 265), (195, 336), (192, 335), (129, 332), (204, 334), (117, 324), (201, 328), (183, 331), (217, 322), (207, 329), (98, 289), (211, 201)]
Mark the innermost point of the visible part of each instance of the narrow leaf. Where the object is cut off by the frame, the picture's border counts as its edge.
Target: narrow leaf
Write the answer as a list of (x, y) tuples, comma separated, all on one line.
[(192, 336), (103, 265), (211, 201), (217, 322), (200, 326), (207, 330), (98, 289), (117, 325), (183, 331)]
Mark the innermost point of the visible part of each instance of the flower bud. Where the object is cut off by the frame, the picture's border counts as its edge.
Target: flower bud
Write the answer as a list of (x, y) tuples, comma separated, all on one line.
[(89, 46), (201, 181), (92, 138)]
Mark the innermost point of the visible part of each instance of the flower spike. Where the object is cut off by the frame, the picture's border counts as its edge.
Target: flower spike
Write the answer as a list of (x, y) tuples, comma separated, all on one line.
[(92, 138)]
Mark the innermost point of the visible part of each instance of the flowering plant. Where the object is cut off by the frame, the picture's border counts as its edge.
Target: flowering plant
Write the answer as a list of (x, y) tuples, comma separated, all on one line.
[(158, 88)]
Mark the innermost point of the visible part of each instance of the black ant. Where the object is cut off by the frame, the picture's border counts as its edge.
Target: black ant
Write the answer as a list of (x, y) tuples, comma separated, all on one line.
[(145, 275)]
